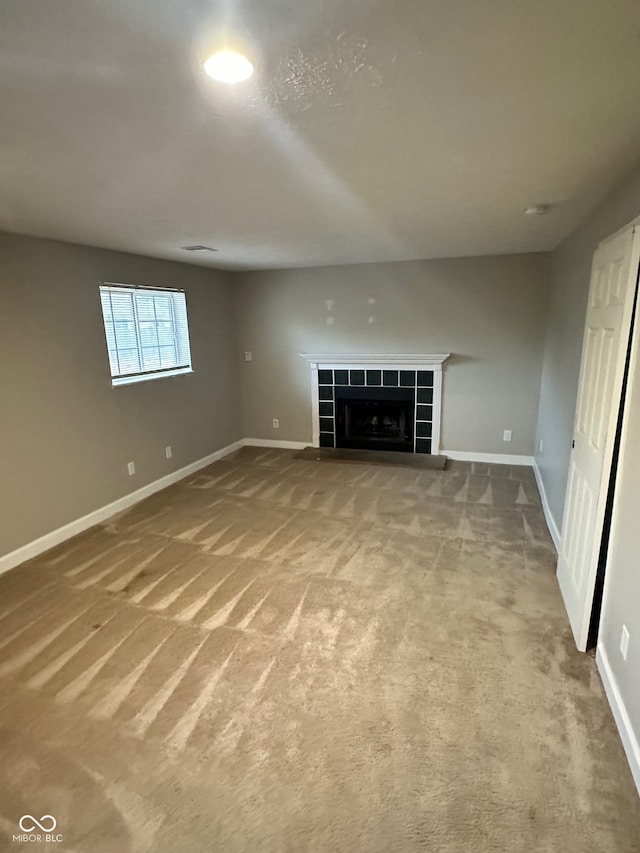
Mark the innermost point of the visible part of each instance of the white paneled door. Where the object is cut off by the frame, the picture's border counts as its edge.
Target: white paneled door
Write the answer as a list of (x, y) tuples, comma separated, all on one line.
[(613, 282)]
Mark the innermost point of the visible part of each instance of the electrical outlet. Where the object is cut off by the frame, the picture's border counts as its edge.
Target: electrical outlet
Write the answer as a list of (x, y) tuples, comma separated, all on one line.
[(506, 435), (276, 423), (131, 467), (541, 446), (168, 452), (624, 642), (248, 356)]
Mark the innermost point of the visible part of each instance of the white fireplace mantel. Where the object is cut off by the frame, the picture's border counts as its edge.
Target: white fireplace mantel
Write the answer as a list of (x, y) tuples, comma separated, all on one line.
[(364, 360)]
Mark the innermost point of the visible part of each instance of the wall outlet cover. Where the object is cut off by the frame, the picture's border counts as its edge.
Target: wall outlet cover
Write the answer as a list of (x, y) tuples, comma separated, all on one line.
[(506, 435), (248, 356), (624, 642), (276, 423), (168, 452), (131, 467)]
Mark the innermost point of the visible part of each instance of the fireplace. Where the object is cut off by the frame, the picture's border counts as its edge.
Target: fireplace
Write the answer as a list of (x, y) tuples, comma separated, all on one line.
[(375, 418), (376, 401)]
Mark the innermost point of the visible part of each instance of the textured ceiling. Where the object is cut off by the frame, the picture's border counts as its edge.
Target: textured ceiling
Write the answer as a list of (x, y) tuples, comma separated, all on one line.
[(370, 131)]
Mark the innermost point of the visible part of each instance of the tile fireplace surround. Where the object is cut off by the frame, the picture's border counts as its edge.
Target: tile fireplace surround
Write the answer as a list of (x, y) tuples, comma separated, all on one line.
[(420, 372)]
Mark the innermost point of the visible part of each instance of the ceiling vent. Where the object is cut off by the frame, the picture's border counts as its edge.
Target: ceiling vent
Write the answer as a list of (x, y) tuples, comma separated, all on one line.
[(199, 249)]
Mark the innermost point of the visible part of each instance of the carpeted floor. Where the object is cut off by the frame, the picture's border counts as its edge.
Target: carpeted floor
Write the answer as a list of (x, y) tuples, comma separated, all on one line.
[(281, 656)]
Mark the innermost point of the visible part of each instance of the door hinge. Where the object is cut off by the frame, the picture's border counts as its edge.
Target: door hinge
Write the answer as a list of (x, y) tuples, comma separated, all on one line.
[(573, 443)]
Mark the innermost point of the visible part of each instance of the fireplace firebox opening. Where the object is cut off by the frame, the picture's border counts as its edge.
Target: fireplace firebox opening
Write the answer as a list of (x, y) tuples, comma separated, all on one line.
[(375, 418)]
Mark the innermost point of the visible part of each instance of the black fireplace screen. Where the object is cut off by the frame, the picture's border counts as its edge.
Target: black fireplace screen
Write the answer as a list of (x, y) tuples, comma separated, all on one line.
[(377, 421), (375, 418)]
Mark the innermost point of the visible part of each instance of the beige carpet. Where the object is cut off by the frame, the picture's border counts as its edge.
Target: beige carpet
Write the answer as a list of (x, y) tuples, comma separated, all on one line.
[(280, 656)]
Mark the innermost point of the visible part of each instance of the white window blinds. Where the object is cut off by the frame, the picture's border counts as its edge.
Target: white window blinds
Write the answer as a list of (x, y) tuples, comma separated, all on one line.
[(147, 332)]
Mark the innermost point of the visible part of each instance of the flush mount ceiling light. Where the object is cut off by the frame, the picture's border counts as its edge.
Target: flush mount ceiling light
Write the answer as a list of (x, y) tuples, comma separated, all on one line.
[(227, 66), (199, 249), (537, 210)]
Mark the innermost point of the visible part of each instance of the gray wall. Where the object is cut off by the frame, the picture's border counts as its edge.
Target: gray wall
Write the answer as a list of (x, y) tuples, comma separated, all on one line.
[(65, 434), (489, 312), (570, 274)]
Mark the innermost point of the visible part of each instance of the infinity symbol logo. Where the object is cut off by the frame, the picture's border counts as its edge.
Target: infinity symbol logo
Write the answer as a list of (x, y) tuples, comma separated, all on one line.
[(47, 823)]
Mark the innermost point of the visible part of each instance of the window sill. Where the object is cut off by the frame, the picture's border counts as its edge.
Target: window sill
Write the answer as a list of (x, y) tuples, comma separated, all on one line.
[(116, 381)]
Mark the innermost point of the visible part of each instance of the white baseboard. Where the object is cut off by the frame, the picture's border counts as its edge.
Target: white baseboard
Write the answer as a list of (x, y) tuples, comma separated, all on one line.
[(551, 522), (275, 443), (49, 540), (493, 458), (623, 722)]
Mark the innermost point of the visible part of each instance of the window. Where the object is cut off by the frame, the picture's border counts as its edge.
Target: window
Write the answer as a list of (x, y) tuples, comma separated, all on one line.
[(147, 332)]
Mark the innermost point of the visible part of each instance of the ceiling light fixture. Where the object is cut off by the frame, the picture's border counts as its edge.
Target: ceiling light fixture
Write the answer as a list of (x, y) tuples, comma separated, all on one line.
[(227, 66), (537, 210), (199, 249)]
